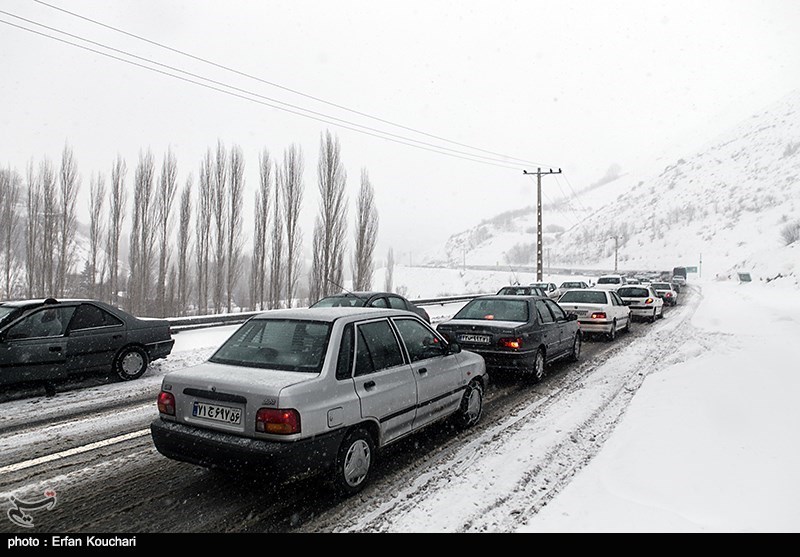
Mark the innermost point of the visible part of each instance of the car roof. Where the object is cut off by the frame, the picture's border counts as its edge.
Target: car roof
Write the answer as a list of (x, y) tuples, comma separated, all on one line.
[(509, 297), (330, 314)]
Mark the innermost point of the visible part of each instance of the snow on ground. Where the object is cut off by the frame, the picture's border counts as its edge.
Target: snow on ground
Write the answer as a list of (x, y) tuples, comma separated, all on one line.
[(708, 444)]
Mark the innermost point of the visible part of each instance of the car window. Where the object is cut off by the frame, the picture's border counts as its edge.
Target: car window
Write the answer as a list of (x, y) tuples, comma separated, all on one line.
[(379, 303), (397, 303), (344, 363), (584, 296), (497, 310), (339, 302), (545, 315), (633, 292), (608, 280), (89, 316), (281, 344), (615, 299), (45, 322), (376, 348), (421, 343), (558, 313)]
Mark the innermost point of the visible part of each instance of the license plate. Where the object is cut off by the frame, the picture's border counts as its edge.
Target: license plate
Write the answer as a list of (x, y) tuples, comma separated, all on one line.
[(475, 339), (578, 313), (217, 413)]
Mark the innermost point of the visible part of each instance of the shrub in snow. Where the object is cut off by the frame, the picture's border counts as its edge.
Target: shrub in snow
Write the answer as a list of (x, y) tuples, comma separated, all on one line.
[(791, 233)]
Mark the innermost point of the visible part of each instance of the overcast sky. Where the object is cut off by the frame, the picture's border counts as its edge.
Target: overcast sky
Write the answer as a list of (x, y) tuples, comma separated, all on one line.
[(577, 85)]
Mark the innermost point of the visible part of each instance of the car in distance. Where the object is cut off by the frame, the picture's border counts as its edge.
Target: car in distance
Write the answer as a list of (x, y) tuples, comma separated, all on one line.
[(598, 311), (371, 299), (522, 291), (643, 301), (569, 285), (679, 276), (515, 333), (610, 282), (666, 291), (43, 340), (549, 287), (316, 391)]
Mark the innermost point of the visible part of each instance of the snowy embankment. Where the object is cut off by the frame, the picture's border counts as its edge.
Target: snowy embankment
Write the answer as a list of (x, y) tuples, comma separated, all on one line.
[(708, 444)]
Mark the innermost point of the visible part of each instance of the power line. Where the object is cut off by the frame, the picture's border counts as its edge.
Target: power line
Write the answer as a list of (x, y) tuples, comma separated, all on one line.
[(222, 84), (282, 87), (435, 149)]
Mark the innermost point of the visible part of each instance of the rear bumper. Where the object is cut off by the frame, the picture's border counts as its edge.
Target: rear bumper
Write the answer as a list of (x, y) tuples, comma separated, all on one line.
[(642, 311), (159, 350), (510, 361), (213, 449), (595, 326)]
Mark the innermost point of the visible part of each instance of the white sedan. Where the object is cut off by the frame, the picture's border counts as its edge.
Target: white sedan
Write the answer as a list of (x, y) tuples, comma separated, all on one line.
[(598, 311), (643, 301)]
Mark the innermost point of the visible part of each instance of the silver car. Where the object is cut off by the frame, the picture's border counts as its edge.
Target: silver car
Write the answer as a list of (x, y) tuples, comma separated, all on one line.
[(303, 391)]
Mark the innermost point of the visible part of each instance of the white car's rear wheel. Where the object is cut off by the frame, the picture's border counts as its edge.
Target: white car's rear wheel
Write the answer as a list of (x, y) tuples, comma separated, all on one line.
[(354, 462)]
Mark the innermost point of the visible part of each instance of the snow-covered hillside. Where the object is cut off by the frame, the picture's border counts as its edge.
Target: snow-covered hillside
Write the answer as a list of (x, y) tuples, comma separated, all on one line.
[(731, 205)]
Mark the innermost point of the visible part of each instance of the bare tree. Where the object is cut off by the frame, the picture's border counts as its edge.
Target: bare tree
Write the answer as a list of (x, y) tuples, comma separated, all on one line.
[(290, 178), (9, 220), (97, 193), (220, 222), (33, 228), (50, 202), (388, 283), (258, 269), (276, 252), (165, 196), (69, 185), (366, 234), (118, 199), (235, 201), (327, 271), (184, 230), (203, 230), (142, 234)]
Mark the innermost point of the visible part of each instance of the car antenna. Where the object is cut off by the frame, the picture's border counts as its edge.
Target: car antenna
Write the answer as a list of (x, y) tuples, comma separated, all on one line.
[(345, 289), (513, 272)]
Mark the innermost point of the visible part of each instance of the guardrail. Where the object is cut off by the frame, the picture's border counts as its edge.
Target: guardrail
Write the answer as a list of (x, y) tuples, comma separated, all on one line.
[(178, 324)]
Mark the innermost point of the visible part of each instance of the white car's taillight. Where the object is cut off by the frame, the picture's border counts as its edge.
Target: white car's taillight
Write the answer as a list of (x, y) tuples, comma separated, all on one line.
[(166, 403), (278, 421)]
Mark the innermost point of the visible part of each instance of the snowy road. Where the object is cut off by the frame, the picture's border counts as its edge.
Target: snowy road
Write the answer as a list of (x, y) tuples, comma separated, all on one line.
[(92, 446)]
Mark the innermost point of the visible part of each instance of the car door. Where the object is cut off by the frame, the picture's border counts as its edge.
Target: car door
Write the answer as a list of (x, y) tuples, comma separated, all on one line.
[(549, 330), (437, 372), (34, 347), (384, 382), (93, 338), (621, 311), (565, 327)]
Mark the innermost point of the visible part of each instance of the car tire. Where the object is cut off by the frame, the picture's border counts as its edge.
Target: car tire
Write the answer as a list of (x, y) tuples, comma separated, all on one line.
[(661, 313), (628, 325), (652, 318), (575, 355), (612, 334), (354, 462), (471, 408), (537, 369), (130, 363)]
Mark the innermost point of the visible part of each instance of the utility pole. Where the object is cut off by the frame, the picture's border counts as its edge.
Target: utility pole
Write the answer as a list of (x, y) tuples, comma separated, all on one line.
[(616, 252), (539, 174)]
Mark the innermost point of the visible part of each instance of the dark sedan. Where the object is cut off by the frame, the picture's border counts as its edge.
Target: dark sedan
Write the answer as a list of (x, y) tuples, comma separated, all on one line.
[(50, 339), (371, 299), (522, 333)]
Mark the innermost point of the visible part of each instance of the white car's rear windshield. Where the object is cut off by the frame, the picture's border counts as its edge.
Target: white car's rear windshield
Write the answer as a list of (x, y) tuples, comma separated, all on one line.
[(495, 310), (608, 280), (661, 286), (583, 297), (633, 292), (283, 344)]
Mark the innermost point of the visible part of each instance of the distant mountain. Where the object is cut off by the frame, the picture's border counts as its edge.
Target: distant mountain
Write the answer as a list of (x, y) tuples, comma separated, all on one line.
[(733, 204)]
